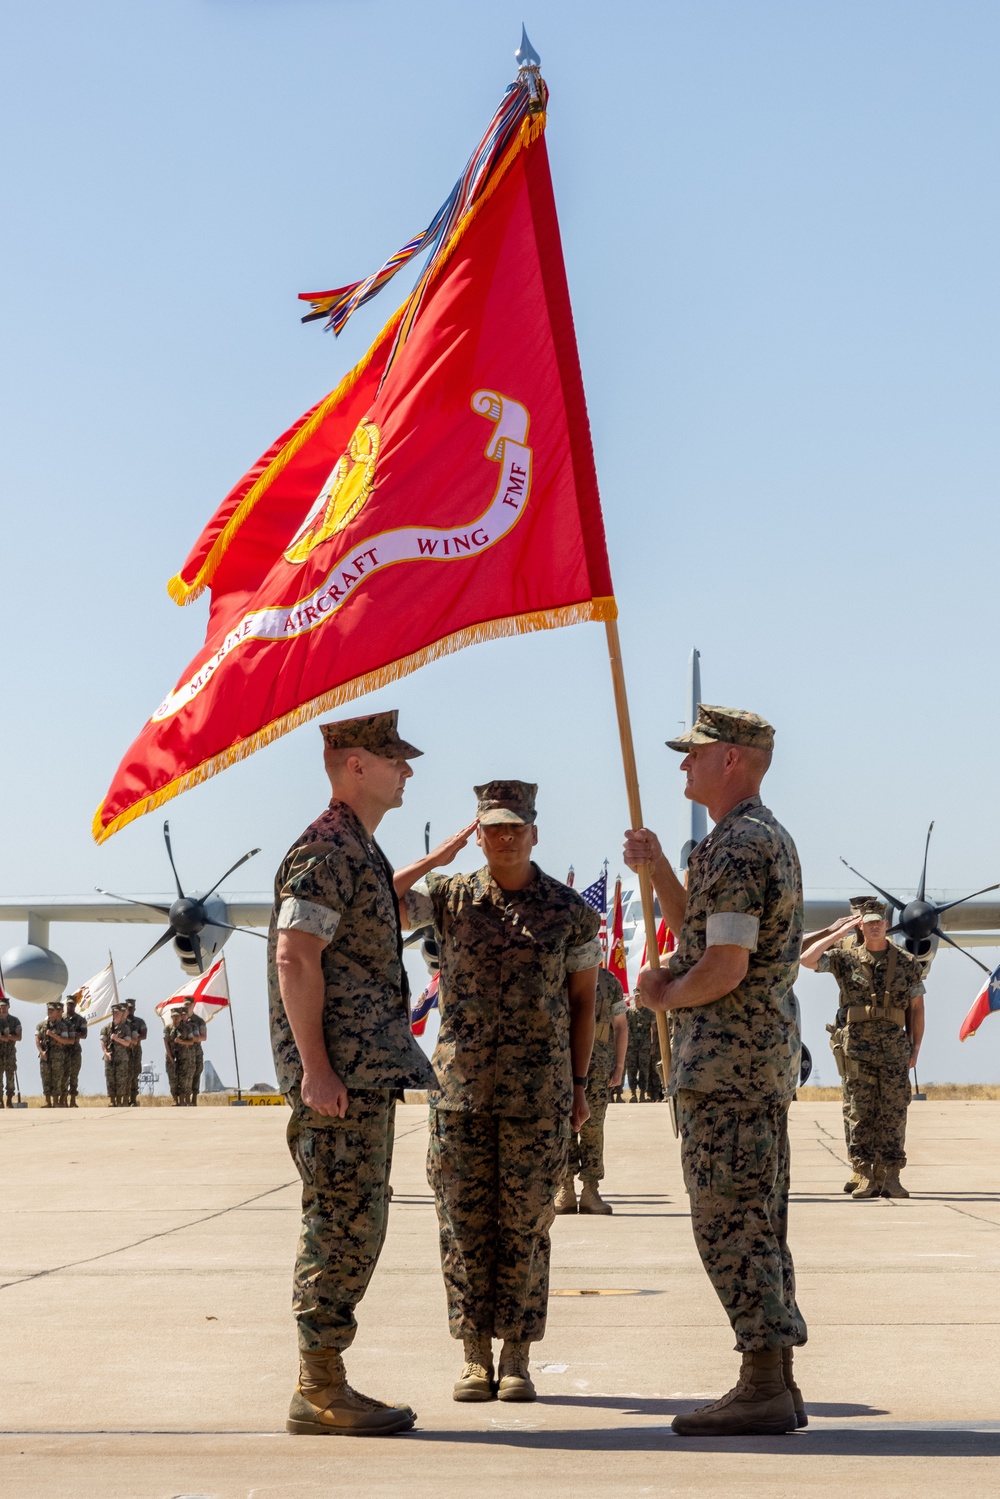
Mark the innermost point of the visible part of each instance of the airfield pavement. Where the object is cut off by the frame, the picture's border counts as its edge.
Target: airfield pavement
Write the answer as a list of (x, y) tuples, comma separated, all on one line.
[(148, 1348)]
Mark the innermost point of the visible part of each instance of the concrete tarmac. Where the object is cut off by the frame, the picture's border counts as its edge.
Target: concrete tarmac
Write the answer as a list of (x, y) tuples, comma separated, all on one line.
[(149, 1351)]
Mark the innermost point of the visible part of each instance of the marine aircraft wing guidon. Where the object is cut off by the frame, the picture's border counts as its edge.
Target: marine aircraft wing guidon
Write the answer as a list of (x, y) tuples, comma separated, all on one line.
[(453, 466)]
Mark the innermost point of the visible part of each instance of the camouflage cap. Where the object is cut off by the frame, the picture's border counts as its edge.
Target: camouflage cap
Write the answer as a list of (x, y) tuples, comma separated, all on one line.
[(55, 1004), (858, 902), (119, 1004), (505, 801), (871, 909), (376, 733), (4, 1000), (726, 726)]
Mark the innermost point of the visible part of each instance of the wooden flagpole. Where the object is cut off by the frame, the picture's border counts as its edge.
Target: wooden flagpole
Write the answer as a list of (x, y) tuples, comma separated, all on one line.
[(635, 815)]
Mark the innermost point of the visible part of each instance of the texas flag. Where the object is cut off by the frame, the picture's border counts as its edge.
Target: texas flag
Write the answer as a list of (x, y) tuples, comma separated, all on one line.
[(210, 993), (986, 1000), (424, 1005)]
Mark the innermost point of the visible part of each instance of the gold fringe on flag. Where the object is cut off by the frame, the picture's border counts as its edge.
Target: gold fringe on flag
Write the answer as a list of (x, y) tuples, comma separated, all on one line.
[(492, 629)]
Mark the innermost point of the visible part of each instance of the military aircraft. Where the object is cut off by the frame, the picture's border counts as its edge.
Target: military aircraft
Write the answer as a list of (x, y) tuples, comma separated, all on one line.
[(199, 924), (923, 923)]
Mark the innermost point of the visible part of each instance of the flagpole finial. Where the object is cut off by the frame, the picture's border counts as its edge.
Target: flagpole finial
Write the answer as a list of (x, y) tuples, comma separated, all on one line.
[(528, 71)]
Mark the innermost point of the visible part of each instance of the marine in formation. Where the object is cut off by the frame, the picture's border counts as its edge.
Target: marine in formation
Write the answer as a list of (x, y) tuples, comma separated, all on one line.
[(55, 1038), (118, 1039), (604, 1075), (736, 1051), (880, 1025), (10, 1036)]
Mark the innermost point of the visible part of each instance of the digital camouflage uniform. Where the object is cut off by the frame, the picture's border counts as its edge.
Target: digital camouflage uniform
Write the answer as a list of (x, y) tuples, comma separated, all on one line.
[(836, 1030), (734, 1068), (188, 1060), (142, 1031), (876, 1047), (117, 1066), (336, 884), (643, 1053), (78, 1025), (586, 1150), (500, 1115), (10, 1034), (54, 1060), (170, 1059)]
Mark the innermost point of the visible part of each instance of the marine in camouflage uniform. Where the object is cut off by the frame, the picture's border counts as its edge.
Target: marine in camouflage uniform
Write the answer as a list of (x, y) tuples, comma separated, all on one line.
[(141, 1031), (117, 1038), (189, 1058), (639, 1021), (882, 990), (79, 1029), (846, 932), (336, 932), (586, 1148), (736, 1055), (516, 996), (10, 1035), (171, 1051), (53, 1055)]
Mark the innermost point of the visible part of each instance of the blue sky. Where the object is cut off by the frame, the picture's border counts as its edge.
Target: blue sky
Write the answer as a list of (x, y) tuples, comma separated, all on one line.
[(780, 224)]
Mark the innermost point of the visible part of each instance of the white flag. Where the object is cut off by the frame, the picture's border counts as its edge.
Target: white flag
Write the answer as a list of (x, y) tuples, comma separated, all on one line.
[(210, 992), (97, 996)]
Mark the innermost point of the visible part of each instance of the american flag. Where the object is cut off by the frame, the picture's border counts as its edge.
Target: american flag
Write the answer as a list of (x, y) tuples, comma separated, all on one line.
[(596, 896)]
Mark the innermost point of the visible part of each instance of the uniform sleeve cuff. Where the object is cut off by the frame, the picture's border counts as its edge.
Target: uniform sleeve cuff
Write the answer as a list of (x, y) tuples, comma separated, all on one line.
[(732, 929), (587, 955), (419, 906), (308, 916)]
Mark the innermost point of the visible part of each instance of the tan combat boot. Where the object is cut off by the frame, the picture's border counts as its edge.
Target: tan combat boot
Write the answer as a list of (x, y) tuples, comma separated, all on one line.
[(633, 1097), (891, 1184), (477, 1382), (801, 1419), (869, 1184), (855, 1181), (325, 1405), (591, 1200), (515, 1381), (758, 1405), (566, 1196)]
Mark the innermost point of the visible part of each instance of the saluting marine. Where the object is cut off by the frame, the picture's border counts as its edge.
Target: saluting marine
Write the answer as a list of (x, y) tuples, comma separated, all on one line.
[(343, 1051), (736, 1054), (882, 992), (10, 1035), (519, 962), (607, 1064)]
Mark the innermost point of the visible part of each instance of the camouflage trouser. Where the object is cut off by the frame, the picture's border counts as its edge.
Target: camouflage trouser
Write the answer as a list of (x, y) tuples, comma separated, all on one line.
[(8, 1071), (586, 1150), (847, 1109), (116, 1076), (75, 1054), (654, 1086), (632, 1063), (170, 1067), (736, 1161), (136, 1055), (494, 1182), (58, 1072), (187, 1071), (344, 1165), (876, 1105)]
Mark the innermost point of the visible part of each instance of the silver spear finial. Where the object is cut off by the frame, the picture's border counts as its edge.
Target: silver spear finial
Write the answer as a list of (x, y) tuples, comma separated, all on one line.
[(526, 56)]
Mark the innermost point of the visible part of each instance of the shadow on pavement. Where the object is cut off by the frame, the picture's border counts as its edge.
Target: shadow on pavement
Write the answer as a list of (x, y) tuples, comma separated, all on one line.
[(853, 1442), (641, 1405)]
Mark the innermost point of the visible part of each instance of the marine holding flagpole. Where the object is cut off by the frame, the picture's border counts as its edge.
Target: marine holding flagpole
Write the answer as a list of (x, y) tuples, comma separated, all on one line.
[(736, 1055)]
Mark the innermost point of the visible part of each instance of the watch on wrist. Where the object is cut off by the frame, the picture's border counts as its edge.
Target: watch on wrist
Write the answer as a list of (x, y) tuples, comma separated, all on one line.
[(579, 1082)]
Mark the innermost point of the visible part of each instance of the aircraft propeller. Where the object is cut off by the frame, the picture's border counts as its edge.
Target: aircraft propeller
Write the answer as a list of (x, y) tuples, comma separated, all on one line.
[(187, 915), (920, 918)]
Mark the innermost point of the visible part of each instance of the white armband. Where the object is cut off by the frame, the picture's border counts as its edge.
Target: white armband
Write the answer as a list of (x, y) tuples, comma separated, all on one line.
[(732, 929)]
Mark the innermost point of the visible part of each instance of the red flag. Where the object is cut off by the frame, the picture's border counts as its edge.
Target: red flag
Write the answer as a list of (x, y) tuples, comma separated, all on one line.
[(444, 493), (665, 941), (617, 957)]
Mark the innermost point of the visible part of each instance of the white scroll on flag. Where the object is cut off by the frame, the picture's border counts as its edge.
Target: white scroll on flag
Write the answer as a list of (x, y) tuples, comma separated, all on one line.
[(210, 992), (97, 995)]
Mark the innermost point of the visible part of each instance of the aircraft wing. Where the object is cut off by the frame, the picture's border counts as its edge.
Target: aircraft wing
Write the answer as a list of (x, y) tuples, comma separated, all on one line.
[(242, 910)]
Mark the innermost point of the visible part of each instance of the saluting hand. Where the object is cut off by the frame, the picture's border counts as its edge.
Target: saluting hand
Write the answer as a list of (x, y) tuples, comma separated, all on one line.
[(446, 851)]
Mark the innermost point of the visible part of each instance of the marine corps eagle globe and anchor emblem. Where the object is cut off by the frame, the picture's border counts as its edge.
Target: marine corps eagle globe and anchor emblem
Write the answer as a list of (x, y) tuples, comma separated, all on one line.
[(343, 496)]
